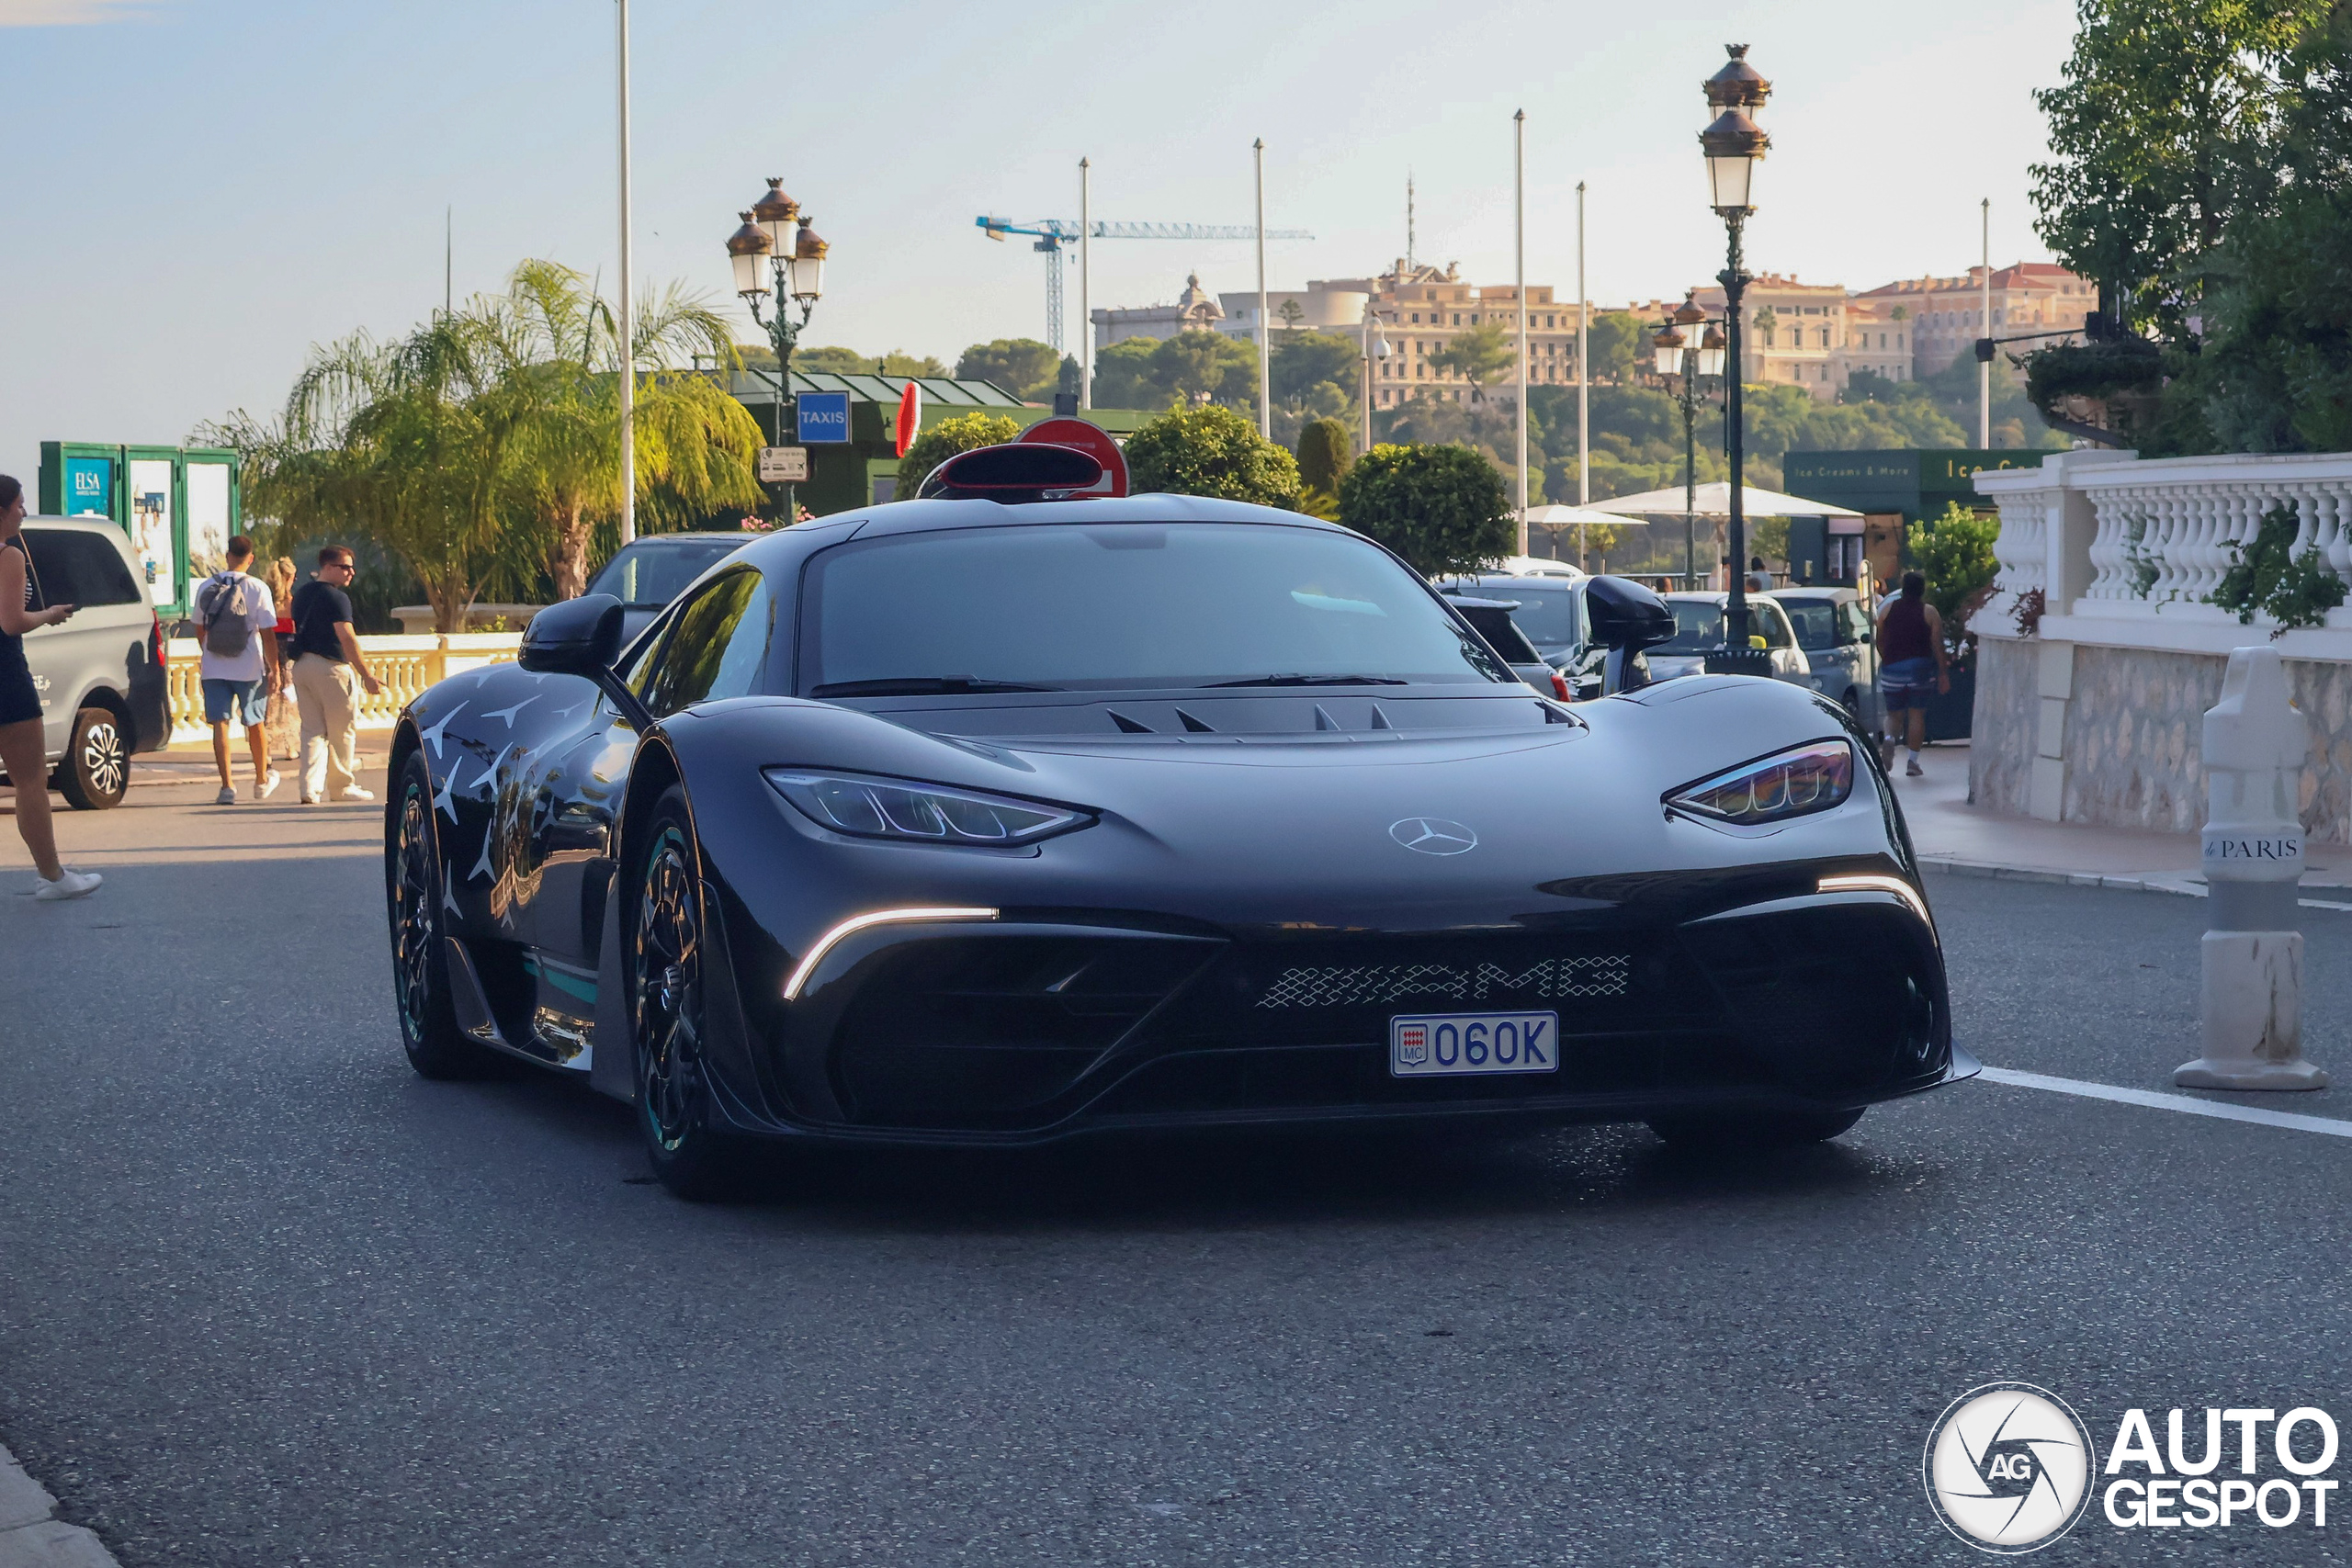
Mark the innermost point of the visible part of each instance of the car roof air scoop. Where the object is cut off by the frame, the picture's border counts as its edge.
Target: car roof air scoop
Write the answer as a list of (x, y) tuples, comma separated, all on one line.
[(1012, 474)]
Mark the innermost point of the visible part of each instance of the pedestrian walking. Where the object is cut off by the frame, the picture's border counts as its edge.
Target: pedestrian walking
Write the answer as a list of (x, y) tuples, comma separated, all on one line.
[(23, 609), (327, 661), (239, 667), (1759, 576), (284, 724), (1911, 663)]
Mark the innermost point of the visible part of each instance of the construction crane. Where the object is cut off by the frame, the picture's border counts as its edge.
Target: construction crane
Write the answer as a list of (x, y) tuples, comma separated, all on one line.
[(1053, 234)]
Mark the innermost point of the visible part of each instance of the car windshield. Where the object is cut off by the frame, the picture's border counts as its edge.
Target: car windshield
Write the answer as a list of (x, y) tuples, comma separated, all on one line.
[(1698, 627), (1815, 621), (654, 571), (1124, 606), (1546, 613)]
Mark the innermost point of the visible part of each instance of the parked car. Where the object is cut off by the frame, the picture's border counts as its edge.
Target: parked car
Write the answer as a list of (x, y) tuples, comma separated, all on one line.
[(1495, 619), (1698, 626), (1834, 629), (646, 574), (1550, 612), (100, 676)]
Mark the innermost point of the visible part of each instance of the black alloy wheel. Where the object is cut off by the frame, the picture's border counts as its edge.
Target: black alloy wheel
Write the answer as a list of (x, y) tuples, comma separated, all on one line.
[(436, 1048), (1734, 1131), (94, 772), (667, 987)]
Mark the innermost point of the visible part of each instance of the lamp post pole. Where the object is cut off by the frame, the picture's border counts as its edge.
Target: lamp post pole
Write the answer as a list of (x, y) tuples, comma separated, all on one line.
[(1519, 292), (629, 306), (778, 266), (1375, 346), (1265, 343), (1735, 144), (1985, 366), (1085, 283), (1677, 355)]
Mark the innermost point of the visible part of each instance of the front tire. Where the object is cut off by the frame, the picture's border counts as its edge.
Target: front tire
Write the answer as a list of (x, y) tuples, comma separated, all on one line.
[(1787, 1129), (667, 977), (436, 1048), (95, 774)]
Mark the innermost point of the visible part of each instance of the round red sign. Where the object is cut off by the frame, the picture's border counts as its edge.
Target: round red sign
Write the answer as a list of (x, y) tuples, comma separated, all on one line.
[(1090, 439)]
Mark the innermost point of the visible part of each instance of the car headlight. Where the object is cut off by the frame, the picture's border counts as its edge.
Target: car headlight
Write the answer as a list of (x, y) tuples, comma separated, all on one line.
[(893, 808), (1795, 782)]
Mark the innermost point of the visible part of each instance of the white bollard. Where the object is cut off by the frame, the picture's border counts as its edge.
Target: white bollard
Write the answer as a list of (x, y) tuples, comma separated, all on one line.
[(2251, 1010)]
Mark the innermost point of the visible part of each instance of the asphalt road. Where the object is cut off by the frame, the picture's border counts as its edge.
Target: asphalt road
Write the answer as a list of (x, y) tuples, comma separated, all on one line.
[(267, 1298)]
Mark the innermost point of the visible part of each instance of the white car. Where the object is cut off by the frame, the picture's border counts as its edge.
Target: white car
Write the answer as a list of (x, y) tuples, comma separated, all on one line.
[(1699, 627)]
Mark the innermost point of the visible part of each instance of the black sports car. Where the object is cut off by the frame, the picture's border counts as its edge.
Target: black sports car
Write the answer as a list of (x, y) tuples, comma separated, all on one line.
[(970, 821)]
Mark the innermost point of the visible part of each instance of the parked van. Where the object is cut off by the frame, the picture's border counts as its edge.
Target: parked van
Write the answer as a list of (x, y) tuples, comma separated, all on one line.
[(100, 676)]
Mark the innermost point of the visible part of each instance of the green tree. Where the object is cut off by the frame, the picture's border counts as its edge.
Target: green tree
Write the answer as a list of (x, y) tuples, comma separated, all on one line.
[(1207, 367), (1478, 354), (2167, 123), (1443, 508), (1954, 553), (1303, 360), (1324, 450), (1021, 365), (943, 440), (1614, 344), (834, 360), (1214, 451), (1123, 377)]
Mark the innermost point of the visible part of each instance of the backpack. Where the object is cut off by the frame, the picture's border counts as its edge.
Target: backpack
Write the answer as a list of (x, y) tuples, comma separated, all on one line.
[(227, 615)]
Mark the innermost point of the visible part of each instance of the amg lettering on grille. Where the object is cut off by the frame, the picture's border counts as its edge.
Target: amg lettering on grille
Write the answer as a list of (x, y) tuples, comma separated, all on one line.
[(1365, 985)]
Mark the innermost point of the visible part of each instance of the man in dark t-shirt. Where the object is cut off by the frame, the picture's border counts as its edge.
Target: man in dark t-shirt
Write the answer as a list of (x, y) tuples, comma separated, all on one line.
[(326, 659)]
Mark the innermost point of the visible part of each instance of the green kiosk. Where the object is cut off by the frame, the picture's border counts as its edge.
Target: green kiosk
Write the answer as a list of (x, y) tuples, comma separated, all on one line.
[(179, 504)]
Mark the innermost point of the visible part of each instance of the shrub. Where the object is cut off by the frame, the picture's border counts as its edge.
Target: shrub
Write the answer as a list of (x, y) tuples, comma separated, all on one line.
[(946, 438), (2267, 576), (1212, 451), (1442, 508)]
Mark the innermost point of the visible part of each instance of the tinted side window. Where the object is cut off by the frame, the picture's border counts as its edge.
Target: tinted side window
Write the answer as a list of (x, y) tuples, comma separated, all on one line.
[(716, 647), (1776, 626), (80, 569)]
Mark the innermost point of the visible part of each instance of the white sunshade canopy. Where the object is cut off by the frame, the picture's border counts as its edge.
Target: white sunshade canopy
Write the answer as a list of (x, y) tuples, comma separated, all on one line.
[(1565, 516), (1714, 500)]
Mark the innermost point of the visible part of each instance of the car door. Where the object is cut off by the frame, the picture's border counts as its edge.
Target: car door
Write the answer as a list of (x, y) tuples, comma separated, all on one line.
[(1788, 660), (81, 568)]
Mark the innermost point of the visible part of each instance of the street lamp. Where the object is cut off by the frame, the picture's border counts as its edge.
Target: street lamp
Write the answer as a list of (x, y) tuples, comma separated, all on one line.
[(1376, 349), (779, 262), (1735, 144), (1679, 355)]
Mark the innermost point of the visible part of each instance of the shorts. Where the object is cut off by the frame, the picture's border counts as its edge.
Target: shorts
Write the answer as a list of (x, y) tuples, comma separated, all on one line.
[(1906, 683), (223, 698), (19, 698)]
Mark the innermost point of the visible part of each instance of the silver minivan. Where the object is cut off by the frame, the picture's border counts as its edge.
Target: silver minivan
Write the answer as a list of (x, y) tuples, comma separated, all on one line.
[(1834, 628), (104, 695)]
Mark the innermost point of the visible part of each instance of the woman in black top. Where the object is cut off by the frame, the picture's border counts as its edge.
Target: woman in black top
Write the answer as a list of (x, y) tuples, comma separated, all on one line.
[(21, 751)]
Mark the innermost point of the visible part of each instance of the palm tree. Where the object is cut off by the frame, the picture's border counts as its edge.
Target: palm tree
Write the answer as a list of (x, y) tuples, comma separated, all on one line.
[(561, 479)]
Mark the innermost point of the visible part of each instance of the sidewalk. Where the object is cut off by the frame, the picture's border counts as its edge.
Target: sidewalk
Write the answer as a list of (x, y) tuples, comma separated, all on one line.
[(190, 762), (1952, 836)]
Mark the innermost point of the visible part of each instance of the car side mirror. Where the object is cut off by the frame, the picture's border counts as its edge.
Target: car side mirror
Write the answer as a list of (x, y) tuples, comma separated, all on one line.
[(579, 637), (1625, 616)]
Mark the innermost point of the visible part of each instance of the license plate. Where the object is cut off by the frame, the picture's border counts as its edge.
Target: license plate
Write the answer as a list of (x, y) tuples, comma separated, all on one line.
[(1456, 1044)]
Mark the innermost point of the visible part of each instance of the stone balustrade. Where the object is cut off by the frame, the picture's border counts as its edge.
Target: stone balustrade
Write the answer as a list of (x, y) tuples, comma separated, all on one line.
[(405, 666), (2092, 713)]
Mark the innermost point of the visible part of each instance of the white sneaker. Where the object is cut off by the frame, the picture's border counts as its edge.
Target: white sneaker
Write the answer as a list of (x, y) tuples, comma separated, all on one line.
[(72, 885), (267, 786), (226, 797), (1911, 768), (356, 792)]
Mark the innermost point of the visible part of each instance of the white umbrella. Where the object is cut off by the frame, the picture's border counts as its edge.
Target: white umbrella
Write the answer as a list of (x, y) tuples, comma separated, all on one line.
[(1714, 500), (1562, 516)]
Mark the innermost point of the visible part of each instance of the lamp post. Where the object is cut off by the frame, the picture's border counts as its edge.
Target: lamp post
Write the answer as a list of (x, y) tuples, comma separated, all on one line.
[(778, 263), (1695, 361), (1735, 144), (1376, 348)]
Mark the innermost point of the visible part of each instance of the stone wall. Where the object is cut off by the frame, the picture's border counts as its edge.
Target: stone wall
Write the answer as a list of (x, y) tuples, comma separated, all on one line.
[(2134, 723), (2002, 727)]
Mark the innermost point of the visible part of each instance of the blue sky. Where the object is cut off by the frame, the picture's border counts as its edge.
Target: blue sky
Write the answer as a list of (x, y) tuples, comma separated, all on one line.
[(199, 190)]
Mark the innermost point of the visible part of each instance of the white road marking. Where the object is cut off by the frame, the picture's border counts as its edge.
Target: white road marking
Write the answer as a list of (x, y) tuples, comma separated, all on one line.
[(2332, 1127)]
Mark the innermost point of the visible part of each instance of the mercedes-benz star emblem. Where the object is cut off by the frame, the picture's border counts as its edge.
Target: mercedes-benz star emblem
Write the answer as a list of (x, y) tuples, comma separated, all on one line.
[(1433, 835)]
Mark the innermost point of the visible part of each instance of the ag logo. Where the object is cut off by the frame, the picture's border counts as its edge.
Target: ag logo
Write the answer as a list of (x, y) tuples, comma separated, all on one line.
[(1433, 835), (2008, 1468)]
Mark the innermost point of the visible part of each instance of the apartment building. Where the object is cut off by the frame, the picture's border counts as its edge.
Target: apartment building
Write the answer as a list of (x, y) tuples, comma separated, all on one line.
[(1795, 333), (1422, 309), (1946, 314)]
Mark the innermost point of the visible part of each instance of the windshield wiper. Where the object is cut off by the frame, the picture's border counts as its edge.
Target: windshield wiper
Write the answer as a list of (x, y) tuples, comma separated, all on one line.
[(1314, 680), (922, 686)]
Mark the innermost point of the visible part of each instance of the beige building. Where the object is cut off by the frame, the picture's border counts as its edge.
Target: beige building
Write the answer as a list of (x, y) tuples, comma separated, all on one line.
[(1193, 312), (1794, 334), (1422, 309), (1946, 314)]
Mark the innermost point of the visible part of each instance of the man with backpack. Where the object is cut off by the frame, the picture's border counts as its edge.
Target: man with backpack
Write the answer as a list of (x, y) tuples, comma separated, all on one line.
[(240, 666)]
